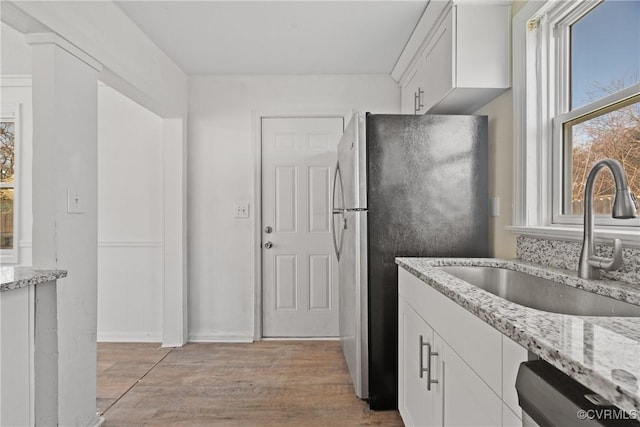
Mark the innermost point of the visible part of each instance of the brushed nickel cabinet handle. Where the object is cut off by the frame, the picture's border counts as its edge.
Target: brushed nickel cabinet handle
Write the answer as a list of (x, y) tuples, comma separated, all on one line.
[(429, 355), (421, 352), (417, 100)]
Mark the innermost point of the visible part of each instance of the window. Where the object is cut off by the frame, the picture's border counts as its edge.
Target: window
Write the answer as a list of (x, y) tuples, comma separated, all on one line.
[(8, 205), (598, 70), (576, 101)]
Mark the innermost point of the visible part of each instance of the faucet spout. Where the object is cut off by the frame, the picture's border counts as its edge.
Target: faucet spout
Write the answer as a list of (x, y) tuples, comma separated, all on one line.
[(624, 207)]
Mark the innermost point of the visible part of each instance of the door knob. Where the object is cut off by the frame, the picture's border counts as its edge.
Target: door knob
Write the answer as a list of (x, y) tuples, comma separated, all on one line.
[(268, 245), (268, 229)]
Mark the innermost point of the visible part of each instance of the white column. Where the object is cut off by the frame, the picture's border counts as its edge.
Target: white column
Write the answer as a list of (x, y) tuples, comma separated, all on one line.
[(65, 224), (174, 321)]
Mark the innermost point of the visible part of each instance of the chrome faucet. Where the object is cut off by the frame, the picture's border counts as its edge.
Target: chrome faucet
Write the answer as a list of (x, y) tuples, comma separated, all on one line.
[(624, 207)]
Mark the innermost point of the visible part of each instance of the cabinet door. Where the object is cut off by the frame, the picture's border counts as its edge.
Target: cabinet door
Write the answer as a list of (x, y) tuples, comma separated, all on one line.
[(415, 402), (513, 354), (510, 418), (438, 64), (410, 87), (468, 401)]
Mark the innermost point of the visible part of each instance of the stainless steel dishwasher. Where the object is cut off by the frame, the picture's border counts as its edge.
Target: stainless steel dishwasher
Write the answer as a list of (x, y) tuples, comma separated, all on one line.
[(550, 398)]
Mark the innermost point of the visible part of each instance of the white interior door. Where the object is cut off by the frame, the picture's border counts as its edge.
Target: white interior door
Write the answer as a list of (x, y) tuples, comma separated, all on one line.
[(299, 267)]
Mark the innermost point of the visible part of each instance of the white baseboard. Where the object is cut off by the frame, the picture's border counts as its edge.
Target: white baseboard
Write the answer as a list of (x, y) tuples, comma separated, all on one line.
[(301, 339), (129, 337), (230, 338)]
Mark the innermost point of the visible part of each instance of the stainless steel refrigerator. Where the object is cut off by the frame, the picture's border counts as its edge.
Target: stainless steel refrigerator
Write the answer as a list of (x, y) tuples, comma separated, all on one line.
[(403, 186)]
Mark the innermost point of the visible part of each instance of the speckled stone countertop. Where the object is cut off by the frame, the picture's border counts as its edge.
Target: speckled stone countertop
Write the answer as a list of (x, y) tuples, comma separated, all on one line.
[(599, 352), (18, 277)]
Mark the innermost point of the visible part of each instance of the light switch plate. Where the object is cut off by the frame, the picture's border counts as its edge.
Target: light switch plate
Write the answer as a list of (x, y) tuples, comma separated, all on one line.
[(241, 210), (75, 201)]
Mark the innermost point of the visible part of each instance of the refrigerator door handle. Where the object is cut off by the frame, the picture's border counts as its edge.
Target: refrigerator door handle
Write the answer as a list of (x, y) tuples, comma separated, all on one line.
[(338, 246), (337, 176)]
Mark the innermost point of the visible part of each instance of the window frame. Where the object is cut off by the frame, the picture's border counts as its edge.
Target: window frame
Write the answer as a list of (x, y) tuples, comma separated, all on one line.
[(561, 156), (537, 50), (560, 24), (10, 256)]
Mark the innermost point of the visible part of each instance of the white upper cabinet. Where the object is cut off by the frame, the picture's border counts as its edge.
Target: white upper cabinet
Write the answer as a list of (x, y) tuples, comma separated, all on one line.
[(462, 62)]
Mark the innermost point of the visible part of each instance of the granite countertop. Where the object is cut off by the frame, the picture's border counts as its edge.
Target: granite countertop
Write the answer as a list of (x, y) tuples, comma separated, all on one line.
[(19, 277), (599, 352)]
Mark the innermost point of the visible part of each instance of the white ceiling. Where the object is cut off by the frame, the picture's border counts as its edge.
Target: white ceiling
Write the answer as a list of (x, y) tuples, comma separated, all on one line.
[(279, 37)]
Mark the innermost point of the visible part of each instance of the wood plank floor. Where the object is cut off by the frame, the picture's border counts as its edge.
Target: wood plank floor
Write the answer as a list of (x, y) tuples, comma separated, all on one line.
[(269, 383)]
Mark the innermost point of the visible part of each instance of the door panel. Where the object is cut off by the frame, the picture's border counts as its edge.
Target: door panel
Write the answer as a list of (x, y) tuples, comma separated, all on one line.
[(286, 282), (319, 198), (300, 295), (286, 188), (320, 282)]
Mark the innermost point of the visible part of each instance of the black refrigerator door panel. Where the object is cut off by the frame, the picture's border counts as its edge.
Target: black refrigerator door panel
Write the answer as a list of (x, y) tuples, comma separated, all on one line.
[(427, 189)]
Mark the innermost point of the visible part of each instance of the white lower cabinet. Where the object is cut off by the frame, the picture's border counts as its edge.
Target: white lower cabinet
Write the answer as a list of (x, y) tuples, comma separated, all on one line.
[(465, 389), (436, 387)]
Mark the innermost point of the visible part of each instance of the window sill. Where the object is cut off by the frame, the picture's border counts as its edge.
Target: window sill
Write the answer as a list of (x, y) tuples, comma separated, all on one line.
[(630, 237), (10, 258)]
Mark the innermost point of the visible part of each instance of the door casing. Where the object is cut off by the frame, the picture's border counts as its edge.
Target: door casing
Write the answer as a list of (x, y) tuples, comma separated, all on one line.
[(257, 116)]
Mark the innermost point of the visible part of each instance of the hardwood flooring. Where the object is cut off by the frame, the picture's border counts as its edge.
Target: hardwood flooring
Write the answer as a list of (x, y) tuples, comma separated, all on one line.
[(269, 383)]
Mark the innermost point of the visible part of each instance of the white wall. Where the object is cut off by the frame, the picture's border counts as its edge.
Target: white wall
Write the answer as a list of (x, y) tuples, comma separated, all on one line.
[(130, 210), (130, 220), (501, 145), (221, 172), (500, 111)]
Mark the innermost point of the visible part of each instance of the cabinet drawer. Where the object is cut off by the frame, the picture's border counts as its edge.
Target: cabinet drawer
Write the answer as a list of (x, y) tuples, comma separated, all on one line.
[(477, 343)]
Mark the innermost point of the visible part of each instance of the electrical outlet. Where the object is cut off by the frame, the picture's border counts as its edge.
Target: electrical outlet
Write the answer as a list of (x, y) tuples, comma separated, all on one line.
[(75, 202), (241, 210)]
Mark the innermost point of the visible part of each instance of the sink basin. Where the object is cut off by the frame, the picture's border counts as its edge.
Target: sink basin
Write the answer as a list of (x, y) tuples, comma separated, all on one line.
[(541, 294)]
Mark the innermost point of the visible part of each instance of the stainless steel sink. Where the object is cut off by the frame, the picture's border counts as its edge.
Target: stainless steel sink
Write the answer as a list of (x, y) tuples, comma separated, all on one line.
[(541, 294)]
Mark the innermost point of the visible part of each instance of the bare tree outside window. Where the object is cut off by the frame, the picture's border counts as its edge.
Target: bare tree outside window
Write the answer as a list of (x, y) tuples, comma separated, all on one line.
[(7, 179), (612, 134)]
